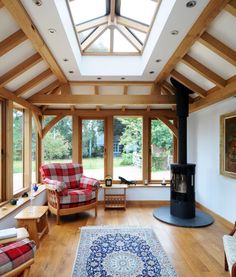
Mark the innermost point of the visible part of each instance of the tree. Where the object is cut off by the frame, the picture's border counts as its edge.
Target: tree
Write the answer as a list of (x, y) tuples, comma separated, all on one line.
[(55, 146)]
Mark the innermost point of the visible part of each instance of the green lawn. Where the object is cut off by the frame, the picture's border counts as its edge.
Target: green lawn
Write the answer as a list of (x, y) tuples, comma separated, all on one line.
[(88, 163)]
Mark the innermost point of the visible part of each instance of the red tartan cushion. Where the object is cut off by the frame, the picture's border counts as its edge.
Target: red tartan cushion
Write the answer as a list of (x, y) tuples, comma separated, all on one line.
[(88, 183), (78, 196), (69, 173), (15, 254)]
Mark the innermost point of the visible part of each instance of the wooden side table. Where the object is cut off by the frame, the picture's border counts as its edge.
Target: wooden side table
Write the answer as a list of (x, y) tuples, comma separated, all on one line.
[(34, 219), (115, 200)]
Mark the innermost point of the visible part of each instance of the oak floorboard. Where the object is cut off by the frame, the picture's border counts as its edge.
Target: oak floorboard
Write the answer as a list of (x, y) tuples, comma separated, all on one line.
[(193, 252)]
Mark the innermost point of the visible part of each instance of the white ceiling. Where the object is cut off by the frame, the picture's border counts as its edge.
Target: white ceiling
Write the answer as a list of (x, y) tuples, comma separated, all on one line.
[(63, 44)]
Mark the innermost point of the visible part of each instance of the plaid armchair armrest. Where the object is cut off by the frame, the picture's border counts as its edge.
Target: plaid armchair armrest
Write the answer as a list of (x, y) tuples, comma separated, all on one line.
[(58, 186), (14, 254), (88, 183)]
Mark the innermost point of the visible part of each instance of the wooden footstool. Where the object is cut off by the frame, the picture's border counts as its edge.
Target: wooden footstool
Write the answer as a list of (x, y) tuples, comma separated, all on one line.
[(34, 219)]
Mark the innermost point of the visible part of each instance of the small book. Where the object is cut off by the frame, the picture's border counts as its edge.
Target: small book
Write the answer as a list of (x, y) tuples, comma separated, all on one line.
[(8, 233)]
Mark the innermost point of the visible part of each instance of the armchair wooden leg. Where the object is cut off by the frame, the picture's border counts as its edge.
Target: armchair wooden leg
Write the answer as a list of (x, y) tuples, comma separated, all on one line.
[(58, 219), (26, 272), (96, 211), (226, 264)]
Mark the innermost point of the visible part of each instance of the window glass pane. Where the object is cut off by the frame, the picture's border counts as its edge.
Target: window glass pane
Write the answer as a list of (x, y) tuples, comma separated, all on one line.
[(139, 35), (93, 148), (85, 10), (83, 35), (161, 150), (18, 157), (121, 44), (127, 150), (58, 142), (102, 44), (34, 152), (141, 10)]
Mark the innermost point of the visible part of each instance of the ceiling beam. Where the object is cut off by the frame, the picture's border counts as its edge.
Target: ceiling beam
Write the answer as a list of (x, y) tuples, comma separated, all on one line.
[(210, 12), (231, 7), (111, 83), (169, 87), (49, 126), (132, 24), (7, 94), (91, 24), (20, 69), (33, 82), (94, 113), (103, 99), (112, 8), (22, 18), (170, 125), (47, 89), (189, 84), (217, 96), (124, 31), (99, 31), (218, 47), (204, 71), (11, 42)]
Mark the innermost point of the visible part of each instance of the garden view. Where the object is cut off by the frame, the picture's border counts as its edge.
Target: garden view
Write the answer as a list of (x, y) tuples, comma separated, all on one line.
[(127, 147)]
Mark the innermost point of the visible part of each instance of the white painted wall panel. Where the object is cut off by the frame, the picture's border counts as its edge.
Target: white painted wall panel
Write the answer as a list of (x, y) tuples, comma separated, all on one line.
[(214, 191)]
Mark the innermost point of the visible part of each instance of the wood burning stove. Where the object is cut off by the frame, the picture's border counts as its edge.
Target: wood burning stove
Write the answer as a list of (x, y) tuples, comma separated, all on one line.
[(182, 200), (182, 211), (182, 195)]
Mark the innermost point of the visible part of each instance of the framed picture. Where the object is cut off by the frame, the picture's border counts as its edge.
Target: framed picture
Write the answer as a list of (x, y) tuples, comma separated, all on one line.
[(228, 144)]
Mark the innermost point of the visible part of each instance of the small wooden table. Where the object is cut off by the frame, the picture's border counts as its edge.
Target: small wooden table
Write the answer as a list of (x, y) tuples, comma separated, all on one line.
[(21, 234), (34, 219), (115, 200)]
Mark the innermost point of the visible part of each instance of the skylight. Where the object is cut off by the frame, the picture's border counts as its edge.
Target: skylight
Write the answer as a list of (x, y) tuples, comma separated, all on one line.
[(113, 27)]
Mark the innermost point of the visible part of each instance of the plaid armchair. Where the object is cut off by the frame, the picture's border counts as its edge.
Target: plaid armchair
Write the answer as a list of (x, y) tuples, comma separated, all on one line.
[(17, 257), (69, 191)]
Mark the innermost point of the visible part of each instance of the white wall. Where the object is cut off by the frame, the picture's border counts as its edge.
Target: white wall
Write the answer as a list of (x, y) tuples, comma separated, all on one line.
[(9, 221), (142, 194), (214, 191)]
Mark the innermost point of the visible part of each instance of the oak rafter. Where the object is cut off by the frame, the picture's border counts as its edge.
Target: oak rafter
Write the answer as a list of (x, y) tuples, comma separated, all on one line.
[(218, 47), (204, 71), (20, 69), (11, 42)]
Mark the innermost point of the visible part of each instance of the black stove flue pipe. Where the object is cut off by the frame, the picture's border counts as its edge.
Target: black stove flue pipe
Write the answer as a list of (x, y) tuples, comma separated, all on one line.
[(182, 111)]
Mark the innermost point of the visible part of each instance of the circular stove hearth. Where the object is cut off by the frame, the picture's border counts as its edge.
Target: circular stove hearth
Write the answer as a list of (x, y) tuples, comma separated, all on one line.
[(201, 219)]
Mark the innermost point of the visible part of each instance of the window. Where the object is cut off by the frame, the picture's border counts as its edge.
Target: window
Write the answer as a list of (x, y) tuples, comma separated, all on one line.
[(161, 150), (118, 27), (18, 150), (86, 10), (93, 148), (34, 153), (57, 143), (127, 162)]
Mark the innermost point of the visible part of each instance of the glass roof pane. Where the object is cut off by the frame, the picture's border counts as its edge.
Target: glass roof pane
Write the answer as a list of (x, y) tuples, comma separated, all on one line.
[(121, 44), (85, 10), (102, 44), (83, 35), (139, 35), (138, 10)]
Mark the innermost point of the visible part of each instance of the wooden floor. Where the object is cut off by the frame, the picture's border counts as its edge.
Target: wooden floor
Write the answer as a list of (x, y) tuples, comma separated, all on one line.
[(193, 252)]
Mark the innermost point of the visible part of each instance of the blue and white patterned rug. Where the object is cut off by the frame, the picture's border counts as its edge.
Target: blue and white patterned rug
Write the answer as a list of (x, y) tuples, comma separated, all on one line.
[(120, 252)]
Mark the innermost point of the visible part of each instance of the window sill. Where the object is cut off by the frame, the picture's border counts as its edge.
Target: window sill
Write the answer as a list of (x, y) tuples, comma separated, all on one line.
[(145, 186), (8, 208)]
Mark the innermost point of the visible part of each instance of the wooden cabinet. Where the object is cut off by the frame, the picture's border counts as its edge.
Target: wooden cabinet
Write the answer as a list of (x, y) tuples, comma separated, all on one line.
[(117, 199)]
